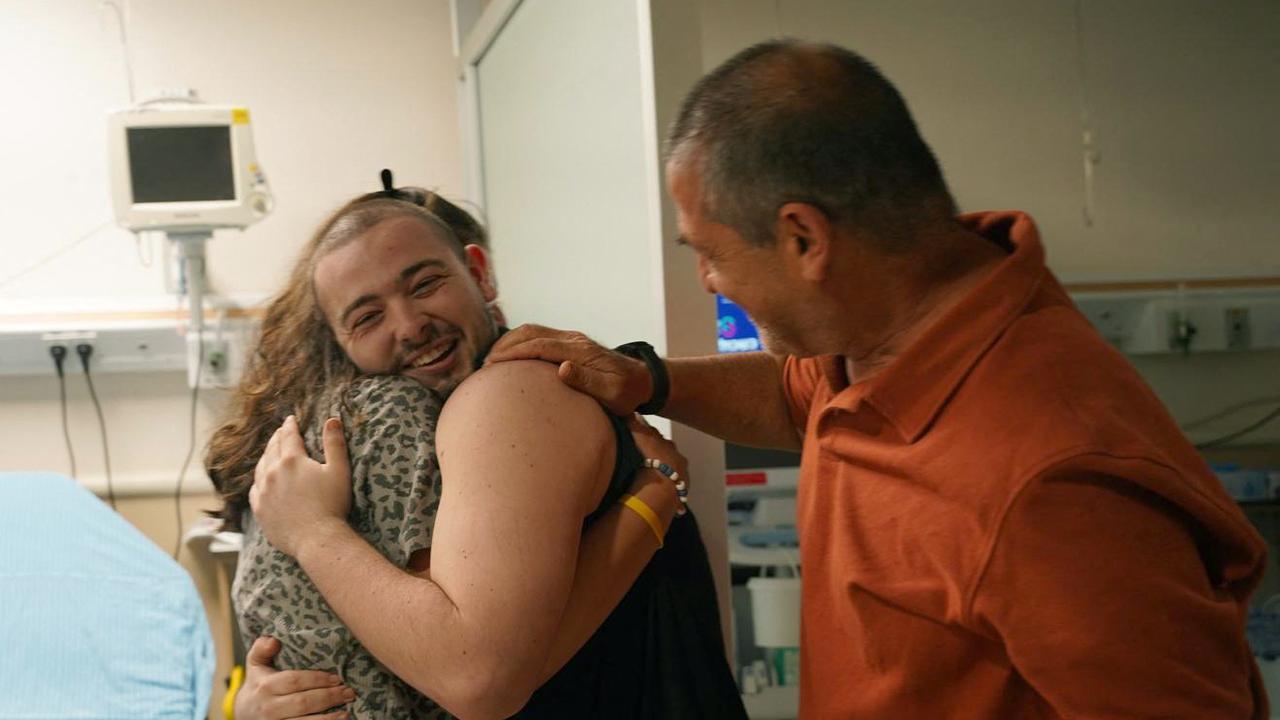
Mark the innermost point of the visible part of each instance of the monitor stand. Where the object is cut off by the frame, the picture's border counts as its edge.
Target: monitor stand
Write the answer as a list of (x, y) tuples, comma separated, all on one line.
[(191, 246)]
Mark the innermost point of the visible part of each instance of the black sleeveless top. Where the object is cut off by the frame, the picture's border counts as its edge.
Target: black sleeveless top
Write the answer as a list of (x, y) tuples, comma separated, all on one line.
[(660, 653)]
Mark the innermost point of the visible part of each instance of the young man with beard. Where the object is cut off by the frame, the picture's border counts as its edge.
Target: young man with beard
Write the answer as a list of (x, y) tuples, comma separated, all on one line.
[(460, 573)]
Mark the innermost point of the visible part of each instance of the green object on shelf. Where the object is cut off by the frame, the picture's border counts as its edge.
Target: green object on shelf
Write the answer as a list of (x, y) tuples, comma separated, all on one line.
[(786, 665)]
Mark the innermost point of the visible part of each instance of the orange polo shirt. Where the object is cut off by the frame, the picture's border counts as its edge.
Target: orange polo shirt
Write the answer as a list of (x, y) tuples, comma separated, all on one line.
[(1007, 523)]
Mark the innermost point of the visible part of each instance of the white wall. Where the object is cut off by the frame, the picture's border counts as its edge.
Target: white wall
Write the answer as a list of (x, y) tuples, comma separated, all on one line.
[(337, 90), (1180, 94), (562, 133)]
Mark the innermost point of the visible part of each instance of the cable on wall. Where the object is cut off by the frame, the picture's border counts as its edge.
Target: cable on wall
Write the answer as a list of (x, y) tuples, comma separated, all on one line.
[(1232, 410), (147, 258), (85, 350), (53, 255), (59, 353), (122, 24), (1088, 148), (1223, 440), (191, 444)]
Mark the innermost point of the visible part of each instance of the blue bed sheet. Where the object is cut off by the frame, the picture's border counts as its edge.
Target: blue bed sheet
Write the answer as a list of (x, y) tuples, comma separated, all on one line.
[(96, 622)]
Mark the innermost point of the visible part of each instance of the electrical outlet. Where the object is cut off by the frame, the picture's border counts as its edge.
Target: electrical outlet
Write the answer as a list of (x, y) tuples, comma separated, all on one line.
[(215, 371), (1111, 327), (1116, 319), (70, 338), (1182, 332), (1239, 330)]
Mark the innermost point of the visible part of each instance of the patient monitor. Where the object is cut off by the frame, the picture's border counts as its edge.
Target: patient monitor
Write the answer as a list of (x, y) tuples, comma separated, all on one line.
[(182, 167), (186, 168)]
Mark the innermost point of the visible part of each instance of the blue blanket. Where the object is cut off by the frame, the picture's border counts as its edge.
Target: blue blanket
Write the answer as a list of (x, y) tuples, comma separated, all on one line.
[(96, 621)]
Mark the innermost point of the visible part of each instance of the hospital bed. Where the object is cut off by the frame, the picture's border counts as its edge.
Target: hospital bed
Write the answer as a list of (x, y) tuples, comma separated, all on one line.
[(96, 621)]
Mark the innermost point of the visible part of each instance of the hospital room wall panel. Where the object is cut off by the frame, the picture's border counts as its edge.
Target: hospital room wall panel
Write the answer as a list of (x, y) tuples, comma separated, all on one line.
[(563, 173), (337, 90), (1177, 94), (147, 424)]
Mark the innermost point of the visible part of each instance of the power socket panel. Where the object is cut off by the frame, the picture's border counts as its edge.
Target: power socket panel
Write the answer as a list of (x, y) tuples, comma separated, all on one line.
[(1239, 330), (221, 356), (1190, 321), (216, 372)]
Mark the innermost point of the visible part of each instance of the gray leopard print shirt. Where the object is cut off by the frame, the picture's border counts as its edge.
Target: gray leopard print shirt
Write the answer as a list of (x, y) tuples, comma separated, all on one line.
[(390, 424)]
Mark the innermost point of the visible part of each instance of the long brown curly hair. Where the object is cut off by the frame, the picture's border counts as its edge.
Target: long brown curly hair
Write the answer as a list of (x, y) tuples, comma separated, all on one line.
[(297, 359)]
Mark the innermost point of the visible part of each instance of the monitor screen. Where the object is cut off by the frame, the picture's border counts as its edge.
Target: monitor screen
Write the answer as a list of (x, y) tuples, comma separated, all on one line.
[(736, 332), (181, 164)]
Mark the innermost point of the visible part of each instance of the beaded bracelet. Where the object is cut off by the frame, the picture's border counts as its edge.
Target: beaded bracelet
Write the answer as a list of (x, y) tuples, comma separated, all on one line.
[(682, 487)]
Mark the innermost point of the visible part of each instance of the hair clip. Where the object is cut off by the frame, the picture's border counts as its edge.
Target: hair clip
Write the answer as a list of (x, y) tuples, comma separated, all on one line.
[(409, 194)]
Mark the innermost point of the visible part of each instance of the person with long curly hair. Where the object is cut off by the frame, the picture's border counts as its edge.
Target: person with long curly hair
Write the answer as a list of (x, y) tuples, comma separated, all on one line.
[(505, 552)]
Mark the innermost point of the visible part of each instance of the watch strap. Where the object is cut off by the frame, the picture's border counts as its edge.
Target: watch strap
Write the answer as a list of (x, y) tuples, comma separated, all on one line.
[(644, 352)]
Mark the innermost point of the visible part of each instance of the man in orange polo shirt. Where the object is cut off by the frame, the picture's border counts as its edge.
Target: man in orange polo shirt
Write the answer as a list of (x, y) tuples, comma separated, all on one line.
[(997, 517)]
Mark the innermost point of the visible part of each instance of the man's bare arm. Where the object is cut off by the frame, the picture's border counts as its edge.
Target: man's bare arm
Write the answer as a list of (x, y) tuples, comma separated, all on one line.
[(738, 398), (735, 397), (614, 551), (522, 457)]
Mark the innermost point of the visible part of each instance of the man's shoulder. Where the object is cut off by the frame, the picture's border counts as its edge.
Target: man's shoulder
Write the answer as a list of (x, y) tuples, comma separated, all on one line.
[(519, 418), (522, 392), (1059, 398), (1052, 367), (519, 382)]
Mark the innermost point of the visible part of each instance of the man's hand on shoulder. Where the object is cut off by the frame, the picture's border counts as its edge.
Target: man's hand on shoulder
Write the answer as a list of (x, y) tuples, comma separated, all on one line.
[(619, 382), (522, 390), (526, 407)]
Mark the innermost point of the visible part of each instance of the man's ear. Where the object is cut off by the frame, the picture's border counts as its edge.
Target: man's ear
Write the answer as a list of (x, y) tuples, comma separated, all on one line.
[(481, 271), (806, 234)]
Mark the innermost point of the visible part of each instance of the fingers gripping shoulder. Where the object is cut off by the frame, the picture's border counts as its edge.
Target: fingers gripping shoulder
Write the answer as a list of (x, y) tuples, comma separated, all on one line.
[(521, 409)]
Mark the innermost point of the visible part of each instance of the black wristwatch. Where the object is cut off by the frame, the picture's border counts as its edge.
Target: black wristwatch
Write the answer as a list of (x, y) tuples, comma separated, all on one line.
[(643, 351)]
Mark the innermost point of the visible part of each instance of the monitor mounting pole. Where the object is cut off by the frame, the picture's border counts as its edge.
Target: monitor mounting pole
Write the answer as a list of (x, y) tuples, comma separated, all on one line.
[(191, 245)]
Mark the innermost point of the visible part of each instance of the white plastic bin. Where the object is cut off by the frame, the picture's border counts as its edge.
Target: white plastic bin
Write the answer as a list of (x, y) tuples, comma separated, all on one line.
[(775, 611)]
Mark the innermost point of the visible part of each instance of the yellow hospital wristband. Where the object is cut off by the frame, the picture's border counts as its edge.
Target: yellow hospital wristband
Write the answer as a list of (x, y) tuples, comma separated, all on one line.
[(233, 687), (646, 513)]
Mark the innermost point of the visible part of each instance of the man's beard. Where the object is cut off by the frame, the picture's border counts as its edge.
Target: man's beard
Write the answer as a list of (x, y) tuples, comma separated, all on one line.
[(772, 342), (495, 331), (482, 351)]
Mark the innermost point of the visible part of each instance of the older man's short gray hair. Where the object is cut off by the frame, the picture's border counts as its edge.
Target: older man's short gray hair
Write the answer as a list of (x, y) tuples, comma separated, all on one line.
[(785, 121)]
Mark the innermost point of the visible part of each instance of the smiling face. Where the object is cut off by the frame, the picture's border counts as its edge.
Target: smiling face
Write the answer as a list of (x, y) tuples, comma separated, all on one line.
[(754, 277), (400, 300)]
